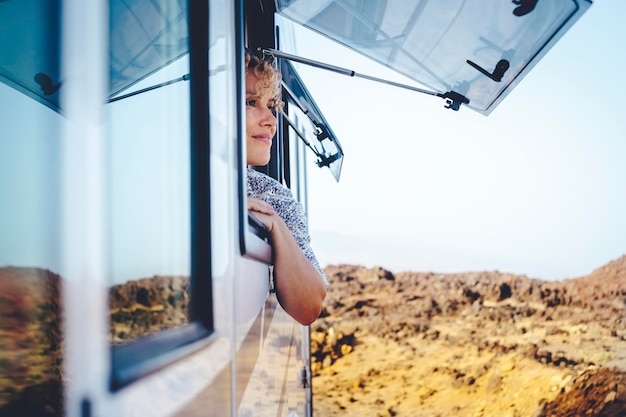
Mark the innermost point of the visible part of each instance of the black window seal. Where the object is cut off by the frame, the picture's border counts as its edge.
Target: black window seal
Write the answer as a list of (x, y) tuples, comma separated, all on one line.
[(258, 23)]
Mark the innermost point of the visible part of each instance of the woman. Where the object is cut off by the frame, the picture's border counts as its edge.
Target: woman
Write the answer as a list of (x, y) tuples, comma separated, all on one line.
[(299, 281)]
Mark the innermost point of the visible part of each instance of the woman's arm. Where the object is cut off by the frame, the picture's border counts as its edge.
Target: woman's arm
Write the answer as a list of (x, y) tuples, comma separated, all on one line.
[(300, 288)]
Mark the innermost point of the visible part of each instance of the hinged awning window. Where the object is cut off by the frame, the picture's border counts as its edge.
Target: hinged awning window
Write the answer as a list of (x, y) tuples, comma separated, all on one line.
[(325, 144), (477, 49)]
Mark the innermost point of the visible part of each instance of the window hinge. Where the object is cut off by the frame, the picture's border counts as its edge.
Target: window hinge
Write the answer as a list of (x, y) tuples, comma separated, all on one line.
[(272, 280), (305, 377)]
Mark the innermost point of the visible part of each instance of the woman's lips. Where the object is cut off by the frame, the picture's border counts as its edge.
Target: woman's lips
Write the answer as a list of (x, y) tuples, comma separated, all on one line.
[(263, 138)]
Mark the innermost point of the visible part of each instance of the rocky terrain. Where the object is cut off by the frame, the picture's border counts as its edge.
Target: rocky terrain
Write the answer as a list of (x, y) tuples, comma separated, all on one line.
[(470, 344)]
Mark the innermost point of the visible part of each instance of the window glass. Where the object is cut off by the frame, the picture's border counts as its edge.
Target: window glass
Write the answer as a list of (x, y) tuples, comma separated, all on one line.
[(149, 170), (31, 328), (31, 359), (297, 127), (440, 44)]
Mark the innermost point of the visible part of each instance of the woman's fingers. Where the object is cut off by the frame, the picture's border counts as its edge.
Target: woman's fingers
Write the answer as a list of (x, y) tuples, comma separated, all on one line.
[(264, 212), (254, 204)]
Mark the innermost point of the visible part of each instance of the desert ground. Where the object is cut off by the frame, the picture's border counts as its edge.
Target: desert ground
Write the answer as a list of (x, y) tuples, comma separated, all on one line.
[(470, 344)]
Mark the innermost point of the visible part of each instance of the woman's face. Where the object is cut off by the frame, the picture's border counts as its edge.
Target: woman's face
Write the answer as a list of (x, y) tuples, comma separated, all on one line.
[(260, 123)]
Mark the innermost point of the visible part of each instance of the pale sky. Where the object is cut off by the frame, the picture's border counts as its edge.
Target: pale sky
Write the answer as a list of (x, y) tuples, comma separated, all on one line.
[(537, 188)]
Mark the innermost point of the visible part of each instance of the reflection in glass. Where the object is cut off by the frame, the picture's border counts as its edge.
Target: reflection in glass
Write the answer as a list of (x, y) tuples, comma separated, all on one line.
[(144, 306), (31, 328), (148, 169), (31, 341)]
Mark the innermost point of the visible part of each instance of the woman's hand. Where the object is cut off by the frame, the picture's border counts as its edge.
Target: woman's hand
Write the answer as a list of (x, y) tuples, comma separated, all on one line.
[(300, 288), (263, 212)]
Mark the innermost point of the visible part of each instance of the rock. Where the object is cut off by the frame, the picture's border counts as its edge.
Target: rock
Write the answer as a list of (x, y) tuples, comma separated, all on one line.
[(477, 343)]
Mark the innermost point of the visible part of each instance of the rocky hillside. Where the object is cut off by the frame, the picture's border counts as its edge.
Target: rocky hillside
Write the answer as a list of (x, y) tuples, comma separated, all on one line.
[(471, 344)]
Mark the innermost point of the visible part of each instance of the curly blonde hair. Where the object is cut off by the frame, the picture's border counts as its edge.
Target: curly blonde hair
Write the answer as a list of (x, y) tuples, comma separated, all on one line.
[(269, 79)]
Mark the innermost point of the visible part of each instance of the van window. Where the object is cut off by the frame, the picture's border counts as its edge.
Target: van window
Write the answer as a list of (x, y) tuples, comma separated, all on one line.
[(31, 284), (149, 172), (158, 185), (301, 125)]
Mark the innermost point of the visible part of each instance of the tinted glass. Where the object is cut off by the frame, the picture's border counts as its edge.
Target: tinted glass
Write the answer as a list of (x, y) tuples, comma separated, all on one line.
[(479, 51), (149, 169), (31, 338)]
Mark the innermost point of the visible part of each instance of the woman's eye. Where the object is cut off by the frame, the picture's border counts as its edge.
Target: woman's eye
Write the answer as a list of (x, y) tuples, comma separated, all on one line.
[(251, 102)]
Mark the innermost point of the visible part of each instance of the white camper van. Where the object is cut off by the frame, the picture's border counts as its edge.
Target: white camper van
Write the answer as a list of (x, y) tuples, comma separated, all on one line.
[(133, 281)]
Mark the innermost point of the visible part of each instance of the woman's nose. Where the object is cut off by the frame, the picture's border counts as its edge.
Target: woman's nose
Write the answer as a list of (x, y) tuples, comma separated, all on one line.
[(268, 118)]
